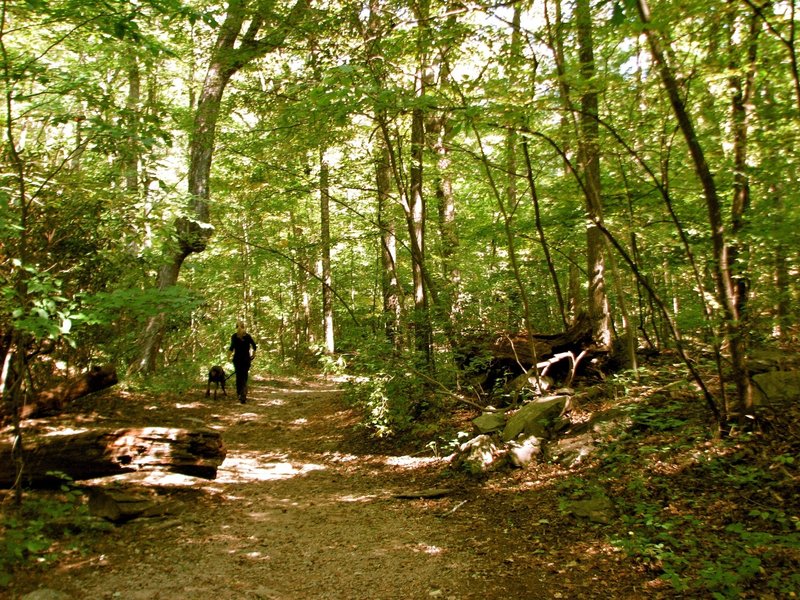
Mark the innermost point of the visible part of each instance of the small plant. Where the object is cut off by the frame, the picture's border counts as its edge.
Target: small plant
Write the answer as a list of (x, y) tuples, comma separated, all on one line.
[(389, 403), (28, 533)]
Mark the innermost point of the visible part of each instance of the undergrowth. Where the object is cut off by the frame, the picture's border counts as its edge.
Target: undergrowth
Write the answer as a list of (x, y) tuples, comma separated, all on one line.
[(711, 518), (42, 528)]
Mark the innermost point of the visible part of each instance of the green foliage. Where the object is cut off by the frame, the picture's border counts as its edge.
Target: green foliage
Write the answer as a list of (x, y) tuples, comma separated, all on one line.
[(29, 533), (388, 401), (671, 531)]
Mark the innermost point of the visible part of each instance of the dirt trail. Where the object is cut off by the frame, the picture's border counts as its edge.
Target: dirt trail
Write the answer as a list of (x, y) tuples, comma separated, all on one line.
[(300, 511)]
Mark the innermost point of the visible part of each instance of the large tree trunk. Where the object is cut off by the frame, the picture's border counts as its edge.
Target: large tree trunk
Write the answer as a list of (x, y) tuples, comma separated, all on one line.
[(104, 452), (589, 153), (234, 48)]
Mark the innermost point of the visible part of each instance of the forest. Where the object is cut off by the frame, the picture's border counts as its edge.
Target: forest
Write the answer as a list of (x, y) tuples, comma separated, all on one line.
[(457, 208)]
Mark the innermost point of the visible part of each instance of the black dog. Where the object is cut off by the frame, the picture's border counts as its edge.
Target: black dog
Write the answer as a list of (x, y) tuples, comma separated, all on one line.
[(216, 375)]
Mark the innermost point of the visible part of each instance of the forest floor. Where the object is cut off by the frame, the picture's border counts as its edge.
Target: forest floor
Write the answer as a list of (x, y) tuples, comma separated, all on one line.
[(306, 507)]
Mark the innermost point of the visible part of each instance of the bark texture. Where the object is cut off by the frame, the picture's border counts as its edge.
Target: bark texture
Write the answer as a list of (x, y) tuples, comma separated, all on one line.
[(104, 452)]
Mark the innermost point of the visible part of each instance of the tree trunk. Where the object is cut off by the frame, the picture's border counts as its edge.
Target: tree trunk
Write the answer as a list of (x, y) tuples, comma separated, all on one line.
[(589, 153), (234, 48), (104, 452), (741, 99), (742, 408), (390, 287), (416, 215), (325, 242)]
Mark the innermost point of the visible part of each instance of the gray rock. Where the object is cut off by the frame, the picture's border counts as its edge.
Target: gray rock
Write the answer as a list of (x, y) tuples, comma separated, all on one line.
[(535, 418), (479, 454), (489, 422), (571, 451), (523, 453), (776, 387)]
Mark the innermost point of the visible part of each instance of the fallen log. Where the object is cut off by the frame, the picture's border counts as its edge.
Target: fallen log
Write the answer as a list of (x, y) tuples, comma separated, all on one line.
[(104, 452), (493, 358), (54, 400), (517, 348)]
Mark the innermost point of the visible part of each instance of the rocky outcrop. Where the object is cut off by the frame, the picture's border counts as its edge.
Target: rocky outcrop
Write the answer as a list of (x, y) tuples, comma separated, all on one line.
[(541, 428)]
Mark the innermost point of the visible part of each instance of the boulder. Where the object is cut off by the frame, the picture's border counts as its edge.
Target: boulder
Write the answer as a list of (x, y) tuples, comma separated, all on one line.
[(480, 454), (571, 451), (776, 387), (489, 422), (535, 418), (521, 454)]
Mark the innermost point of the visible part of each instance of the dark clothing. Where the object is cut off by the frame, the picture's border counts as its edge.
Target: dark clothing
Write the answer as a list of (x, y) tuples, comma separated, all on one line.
[(240, 346)]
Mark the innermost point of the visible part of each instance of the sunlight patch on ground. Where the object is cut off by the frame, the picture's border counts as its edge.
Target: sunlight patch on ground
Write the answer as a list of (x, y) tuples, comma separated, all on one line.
[(338, 457), (314, 392), (273, 402), (190, 405), (427, 549), (411, 462), (65, 431), (366, 498), (238, 468)]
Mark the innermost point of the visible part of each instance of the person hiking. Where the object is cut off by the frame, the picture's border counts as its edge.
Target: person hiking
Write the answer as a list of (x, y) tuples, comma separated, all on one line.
[(241, 342)]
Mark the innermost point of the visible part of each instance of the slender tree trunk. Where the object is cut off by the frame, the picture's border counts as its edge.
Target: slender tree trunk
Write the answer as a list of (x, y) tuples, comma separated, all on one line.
[(325, 229), (742, 408), (388, 255), (440, 133), (417, 213), (130, 160), (562, 308), (390, 288), (741, 105)]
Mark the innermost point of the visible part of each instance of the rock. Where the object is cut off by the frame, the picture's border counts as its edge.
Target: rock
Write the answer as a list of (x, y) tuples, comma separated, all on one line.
[(479, 454), (571, 451), (776, 387), (119, 506), (771, 359), (489, 422), (599, 509), (535, 418), (522, 454)]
